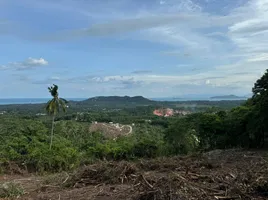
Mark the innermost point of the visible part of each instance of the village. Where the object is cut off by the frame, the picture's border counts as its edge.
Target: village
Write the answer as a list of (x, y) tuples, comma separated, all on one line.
[(168, 112)]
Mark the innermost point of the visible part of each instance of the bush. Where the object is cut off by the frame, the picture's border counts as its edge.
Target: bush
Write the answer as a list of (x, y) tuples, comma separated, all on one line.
[(9, 190), (61, 157), (144, 142), (30, 147), (181, 138)]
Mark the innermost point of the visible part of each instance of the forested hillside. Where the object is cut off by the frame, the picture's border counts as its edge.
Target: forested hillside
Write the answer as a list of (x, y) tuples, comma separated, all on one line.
[(25, 138)]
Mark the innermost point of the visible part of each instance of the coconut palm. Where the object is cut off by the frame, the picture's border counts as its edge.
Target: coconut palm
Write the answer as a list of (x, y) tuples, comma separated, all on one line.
[(54, 106)]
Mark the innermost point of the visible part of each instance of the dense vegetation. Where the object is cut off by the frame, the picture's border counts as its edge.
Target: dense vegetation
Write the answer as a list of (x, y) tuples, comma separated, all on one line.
[(25, 137)]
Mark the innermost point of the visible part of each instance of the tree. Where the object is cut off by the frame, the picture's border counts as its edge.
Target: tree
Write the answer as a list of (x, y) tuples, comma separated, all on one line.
[(237, 127), (210, 130), (181, 136), (261, 86), (53, 107), (260, 106)]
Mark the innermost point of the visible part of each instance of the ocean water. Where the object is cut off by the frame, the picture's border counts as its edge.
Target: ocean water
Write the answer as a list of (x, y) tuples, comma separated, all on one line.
[(196, 99), (180, 99), (31, 100), (44, 100)]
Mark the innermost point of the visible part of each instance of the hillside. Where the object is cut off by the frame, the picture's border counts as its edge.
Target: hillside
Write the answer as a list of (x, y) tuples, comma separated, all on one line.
[(116, 101), (227, 97)]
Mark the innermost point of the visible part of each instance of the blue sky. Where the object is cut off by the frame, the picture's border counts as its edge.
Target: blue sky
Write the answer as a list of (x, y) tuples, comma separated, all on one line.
[(154, 48)]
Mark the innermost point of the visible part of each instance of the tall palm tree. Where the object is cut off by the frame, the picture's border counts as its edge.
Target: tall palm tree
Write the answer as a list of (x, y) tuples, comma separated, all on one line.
[(53, 107)]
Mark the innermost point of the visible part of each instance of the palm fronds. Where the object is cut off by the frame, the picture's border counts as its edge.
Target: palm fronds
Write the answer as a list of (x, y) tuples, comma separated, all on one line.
[(56, 104)]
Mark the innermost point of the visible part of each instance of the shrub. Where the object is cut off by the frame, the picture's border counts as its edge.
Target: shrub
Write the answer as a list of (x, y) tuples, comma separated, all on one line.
[(29, 146), (11, 189), (181, 138)]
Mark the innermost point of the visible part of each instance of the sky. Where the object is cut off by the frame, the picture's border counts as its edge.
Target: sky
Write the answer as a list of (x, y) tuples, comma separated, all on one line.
[(153, 48)]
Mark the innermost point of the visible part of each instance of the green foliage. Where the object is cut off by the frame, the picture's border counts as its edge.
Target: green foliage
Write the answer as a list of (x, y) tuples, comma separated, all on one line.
[(53, 107), (244, 126), (261, 86), (29, 146), (111, 150), (55, 104), (236, 124), (26, 138), (181, 137), (259, 103), (210, 131), (10, 190), (62, 157), (146, 141)]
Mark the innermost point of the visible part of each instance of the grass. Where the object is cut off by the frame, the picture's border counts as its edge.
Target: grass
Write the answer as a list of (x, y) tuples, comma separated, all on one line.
[(10, 189)]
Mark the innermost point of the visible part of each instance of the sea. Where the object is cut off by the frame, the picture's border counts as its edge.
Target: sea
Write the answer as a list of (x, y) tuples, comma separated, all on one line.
[(180, 99), (10, 101), (32, 100)]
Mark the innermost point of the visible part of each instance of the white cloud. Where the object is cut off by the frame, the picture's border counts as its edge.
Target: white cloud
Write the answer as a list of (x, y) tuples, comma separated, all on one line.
[(221, 34), (133, 24), (142, 72), (250, 26), (35, 62), (240, 39), (259, 57), (231, 76), (236, 78), (250, 34), (55, 78), (29, 63), (3, 67), (176, 22)]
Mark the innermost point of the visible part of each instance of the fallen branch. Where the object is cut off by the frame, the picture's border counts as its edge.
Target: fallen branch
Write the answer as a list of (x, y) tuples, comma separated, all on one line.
[(66, 178), (227, 198), (245, 156), (147, 182)]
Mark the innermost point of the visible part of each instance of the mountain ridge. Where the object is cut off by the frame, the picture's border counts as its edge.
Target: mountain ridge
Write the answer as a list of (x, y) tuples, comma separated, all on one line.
[(231, 96), (134, 99)]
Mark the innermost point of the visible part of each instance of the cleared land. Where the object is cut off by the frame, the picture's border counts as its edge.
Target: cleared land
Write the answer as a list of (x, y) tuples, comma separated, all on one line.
[(111, 131), (225, 175)]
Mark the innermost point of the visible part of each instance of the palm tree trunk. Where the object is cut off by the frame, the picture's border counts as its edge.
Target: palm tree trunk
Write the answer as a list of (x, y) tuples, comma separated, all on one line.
[(52, 132)]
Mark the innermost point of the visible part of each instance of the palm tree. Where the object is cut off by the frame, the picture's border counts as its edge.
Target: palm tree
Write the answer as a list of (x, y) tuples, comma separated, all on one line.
[(53, 107)]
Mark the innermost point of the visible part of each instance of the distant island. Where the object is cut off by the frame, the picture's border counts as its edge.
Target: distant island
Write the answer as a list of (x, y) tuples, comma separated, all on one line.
[(227, 97), (118, 99)]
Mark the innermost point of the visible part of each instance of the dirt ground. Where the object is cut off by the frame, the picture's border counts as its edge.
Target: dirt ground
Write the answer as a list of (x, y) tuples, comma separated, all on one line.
[(223, 175), (111, 131)]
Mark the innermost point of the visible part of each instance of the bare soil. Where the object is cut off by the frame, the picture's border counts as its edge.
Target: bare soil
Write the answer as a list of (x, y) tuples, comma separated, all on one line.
[(111, 131), (223, 175)]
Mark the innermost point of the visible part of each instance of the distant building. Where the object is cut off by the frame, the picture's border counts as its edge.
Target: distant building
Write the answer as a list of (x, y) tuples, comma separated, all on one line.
[(167, 112)]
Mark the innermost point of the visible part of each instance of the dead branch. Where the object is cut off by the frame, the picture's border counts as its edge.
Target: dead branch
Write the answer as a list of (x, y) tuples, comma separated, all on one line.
[(147, 182)]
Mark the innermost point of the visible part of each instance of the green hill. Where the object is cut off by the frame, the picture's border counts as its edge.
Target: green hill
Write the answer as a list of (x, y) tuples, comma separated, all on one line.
[(116, 101)]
